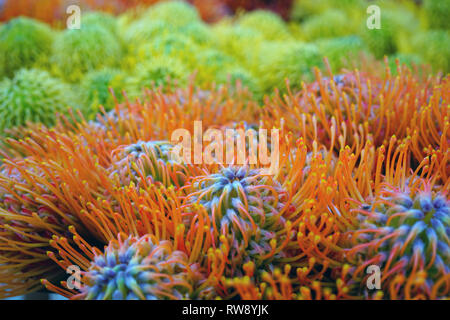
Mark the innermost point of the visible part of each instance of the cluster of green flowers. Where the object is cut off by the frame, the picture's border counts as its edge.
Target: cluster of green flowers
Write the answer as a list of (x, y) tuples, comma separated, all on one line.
[(412, 34), (168, 42)]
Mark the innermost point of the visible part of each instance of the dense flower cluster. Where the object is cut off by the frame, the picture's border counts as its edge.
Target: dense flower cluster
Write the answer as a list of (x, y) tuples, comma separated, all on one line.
[(308, 232), (168, 41), (33, 95), (361, 175)]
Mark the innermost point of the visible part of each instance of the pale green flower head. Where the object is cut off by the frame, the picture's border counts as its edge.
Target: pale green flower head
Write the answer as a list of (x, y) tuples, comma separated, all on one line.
[(271, 26), (24, 43), (33, 95), (78, 51), (175, 13)]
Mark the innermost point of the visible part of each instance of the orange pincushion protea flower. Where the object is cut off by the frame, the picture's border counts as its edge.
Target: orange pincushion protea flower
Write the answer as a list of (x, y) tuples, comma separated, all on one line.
[(150, 160), (351, 150), (193, 229), (275, 220), (351, 108), (245, 207), (66, 171), (134, 268), (155, 211), (405, 233), (396, 219), (30, 213)]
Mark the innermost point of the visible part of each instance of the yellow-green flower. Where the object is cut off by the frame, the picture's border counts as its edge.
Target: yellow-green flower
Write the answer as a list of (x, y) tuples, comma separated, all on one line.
[(271, 26), (32, 95), (77, 51), (24, 43)]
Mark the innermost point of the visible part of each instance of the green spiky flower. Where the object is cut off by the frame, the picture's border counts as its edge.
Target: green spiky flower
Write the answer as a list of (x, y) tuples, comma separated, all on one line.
[(271, 26), (341, 51), (437, 13), (434, 48), (198, 31), (159, 71), (288, 60), (397, 26), (381, 41), (175, 13), (211, 65), (144, 30), (95, 89), (79, 51), (174, 46), (24, 43), (100, 18), (139, 269), (237, 41), (304, 9), (33, 95), (330, 24)]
